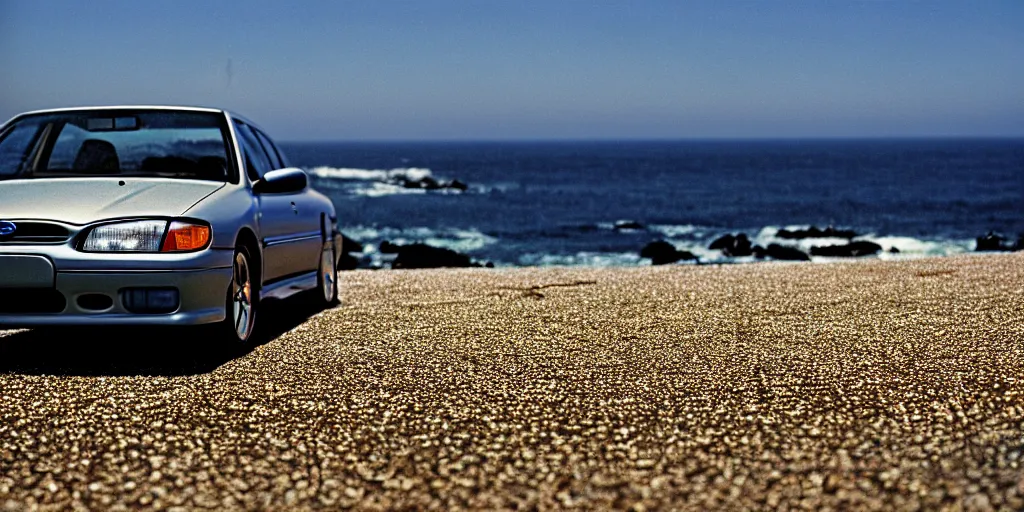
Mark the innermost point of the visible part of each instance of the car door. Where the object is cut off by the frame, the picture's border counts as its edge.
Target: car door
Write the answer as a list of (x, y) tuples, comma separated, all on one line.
[(291, 241), (308, 207)]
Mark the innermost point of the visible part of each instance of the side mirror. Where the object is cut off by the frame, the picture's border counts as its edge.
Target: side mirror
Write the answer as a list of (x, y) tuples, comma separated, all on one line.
[(281, 181)]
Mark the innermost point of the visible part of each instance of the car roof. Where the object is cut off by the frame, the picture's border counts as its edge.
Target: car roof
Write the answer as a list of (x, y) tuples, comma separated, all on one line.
[(186, 108), (119, 107)]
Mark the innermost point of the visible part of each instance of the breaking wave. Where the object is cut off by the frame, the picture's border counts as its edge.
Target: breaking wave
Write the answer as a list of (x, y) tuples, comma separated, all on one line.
[(696, 239), (621, 247), (581, 259), (456, 239), (386, 182), (348, 174)]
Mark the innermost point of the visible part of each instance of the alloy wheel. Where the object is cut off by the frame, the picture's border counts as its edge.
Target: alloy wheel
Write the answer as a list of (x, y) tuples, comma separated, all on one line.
[(241, 297), (329, 275)]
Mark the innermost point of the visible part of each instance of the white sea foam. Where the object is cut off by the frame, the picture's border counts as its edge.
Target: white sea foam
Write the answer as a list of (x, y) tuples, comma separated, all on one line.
[(677, 230), (697, 239), (908, 247), (915, 248), (381, 182), (462, 240), (378, 189), (349, 174), (687, 238), (581, 259)]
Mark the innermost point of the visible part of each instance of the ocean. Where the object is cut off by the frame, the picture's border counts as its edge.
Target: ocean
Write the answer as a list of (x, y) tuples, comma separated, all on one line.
[(568, 203)]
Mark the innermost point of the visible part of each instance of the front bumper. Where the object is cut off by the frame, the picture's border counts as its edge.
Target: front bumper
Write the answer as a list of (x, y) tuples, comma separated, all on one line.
[(202, 292)]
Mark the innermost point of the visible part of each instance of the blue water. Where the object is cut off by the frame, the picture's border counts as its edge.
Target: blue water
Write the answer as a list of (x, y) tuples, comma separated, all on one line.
[(557, 202)]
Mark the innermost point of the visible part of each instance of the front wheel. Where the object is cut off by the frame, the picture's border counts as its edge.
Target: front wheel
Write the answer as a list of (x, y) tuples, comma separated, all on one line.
[(242, 299)]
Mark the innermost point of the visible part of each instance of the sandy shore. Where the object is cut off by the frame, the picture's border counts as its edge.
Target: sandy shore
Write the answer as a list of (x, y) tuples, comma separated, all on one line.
[(863, 385)]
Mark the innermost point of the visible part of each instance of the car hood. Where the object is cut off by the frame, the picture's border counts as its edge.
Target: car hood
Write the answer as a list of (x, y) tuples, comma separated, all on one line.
[(84, 200)]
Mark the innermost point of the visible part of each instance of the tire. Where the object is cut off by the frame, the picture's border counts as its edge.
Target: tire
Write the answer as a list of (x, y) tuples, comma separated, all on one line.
[(242, 299), (326, 293)]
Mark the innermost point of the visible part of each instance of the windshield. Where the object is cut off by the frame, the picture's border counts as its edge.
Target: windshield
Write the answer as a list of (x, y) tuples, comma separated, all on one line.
[(117, 143)]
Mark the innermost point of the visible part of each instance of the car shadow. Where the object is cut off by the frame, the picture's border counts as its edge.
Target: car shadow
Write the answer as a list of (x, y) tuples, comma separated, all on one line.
[(141, 351)]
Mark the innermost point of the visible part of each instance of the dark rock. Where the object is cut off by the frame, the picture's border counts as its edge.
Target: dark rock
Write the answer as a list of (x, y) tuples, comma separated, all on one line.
[(759, 252), (387, 247), (347, 262), (489, 264), (722, 242), (840, 233), (625, 225), (781, 252), (661, 252), (349, 245), (852, 249), (994, 242), (989, 242), (894, 250), (687, 256), (730, 245), (426, 256), (429, 183), (741, 246), (815, 232)]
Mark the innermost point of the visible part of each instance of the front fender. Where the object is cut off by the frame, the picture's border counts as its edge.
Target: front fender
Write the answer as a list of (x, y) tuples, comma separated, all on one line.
[(229, 211)]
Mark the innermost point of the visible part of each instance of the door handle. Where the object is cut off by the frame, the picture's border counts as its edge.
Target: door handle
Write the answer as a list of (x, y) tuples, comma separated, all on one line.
[(295, 210)]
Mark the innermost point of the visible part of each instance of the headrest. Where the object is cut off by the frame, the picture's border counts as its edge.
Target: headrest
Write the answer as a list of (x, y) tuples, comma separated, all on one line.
[(98, 156)]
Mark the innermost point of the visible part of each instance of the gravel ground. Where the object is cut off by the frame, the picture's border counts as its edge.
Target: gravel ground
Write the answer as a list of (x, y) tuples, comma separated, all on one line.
[(864, 385)]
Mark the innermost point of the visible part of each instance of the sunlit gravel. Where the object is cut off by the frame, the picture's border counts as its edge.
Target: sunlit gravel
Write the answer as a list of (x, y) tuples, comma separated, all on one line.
[(863, 385)]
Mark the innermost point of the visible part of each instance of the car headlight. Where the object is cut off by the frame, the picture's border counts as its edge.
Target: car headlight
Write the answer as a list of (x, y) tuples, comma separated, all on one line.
[(148, 236)]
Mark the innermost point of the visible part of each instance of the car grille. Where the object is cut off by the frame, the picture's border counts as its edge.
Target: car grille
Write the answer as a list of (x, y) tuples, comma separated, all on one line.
[(30, 232), (31, 300)]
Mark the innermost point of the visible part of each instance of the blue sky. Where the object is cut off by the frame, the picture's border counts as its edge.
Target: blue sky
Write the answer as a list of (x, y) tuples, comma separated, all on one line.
[(490, 69)]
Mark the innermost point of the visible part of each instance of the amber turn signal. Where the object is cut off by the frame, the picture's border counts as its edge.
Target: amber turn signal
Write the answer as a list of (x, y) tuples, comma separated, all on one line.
[(183, 236)]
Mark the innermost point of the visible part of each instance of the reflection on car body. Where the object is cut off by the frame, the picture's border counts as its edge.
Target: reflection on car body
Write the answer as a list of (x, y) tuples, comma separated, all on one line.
[(155, 216)]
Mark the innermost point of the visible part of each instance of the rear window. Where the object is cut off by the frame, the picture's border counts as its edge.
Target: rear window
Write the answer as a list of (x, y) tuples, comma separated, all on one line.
[(114, 143)]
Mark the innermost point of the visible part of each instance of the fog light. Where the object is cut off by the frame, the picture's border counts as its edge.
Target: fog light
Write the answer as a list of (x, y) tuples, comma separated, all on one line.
[(150, 300), (95, 302)]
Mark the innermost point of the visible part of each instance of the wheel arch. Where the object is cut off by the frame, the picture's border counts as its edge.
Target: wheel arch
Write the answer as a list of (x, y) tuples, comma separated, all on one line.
[(247, 238)]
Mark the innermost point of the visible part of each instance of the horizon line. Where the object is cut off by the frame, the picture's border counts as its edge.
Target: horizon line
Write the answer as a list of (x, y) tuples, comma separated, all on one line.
[(516, 140)]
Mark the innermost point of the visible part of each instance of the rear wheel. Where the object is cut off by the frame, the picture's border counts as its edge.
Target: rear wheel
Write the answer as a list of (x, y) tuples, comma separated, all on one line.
[(327, 277), (242, 298)]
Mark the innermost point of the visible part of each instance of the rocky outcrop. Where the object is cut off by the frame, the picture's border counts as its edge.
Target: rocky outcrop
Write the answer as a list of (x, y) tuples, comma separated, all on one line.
[(815, 232), (349, 247), (421, 255), (427, 256), (661, 252), (738, 245), (348, 262), (850, 250), (995, 242), (429, 183), (387, 247), (780, 252)]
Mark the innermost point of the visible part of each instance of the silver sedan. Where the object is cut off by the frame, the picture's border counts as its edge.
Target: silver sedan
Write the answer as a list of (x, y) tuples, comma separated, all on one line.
[(155, 216)]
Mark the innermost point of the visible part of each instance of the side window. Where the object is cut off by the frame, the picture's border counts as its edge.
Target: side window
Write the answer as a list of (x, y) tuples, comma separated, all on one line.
[(282, 156), (256, 161), (272, 152)]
